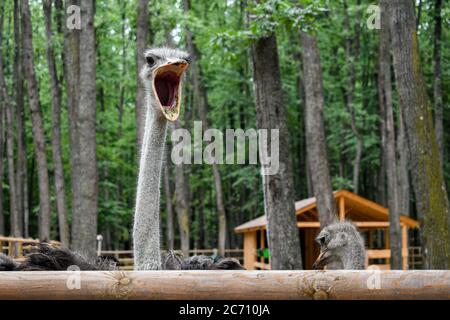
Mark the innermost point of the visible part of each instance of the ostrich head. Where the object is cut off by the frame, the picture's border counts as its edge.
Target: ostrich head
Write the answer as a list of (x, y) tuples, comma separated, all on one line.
[(162, 78), (340, 245)]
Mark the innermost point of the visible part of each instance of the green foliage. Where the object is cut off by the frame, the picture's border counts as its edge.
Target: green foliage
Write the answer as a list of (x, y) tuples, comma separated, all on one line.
[(267, 17)]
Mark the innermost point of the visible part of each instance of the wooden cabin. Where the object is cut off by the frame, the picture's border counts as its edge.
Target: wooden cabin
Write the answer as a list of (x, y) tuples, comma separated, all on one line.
[(371, 219)]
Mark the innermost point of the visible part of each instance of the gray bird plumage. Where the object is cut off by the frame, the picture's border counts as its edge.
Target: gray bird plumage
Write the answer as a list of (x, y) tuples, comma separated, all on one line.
[(341, 247)]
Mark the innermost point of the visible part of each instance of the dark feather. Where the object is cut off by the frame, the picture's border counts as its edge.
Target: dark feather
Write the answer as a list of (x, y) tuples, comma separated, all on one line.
[(172, 260), (6, 263), (46, 257), (210, 263)]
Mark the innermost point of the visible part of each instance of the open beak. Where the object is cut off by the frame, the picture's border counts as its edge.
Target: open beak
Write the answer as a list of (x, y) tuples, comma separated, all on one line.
[(322, 259), (167, 87)]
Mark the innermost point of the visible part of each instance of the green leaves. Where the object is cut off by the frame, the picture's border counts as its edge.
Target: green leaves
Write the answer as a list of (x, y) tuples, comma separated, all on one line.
[(266, 18)]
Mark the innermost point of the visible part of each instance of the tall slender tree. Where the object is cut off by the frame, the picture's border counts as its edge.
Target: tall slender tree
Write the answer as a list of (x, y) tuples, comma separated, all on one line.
[(316, 148), (84, 225), (404, 189), (142, 36), (15, 230), (181, 205), (38, 124), (201, 102), (21, 172), (56, 128), (72, 77), (2, 121), (437, 81), (426, 170), (2, 129), (351, 55), (2, 215), (8, 106), (385, 98), (170, 233), (284, 243)]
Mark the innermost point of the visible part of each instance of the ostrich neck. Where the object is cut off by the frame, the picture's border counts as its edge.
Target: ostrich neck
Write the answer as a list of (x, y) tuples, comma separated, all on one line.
[(354, 257), (146, 233)]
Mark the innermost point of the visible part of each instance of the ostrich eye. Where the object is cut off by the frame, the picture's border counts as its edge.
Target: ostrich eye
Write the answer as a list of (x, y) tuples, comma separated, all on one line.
[(150, 61)]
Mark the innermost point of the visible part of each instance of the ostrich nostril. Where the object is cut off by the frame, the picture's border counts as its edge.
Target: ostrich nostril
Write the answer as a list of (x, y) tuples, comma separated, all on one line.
[(180, 63)]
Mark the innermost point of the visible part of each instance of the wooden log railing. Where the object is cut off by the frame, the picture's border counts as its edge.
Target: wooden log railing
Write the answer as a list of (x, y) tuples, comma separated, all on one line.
[(235, 285)]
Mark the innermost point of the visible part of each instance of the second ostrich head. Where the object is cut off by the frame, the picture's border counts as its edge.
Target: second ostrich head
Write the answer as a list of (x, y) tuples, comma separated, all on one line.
[(341, 247)]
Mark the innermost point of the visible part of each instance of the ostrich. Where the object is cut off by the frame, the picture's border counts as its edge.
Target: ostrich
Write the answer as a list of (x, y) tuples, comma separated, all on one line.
[(341, 247), (162, 78)]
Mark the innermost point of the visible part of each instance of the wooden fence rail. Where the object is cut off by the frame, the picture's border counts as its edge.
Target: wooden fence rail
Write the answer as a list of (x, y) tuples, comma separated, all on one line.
[(236, 285), (14, 247)]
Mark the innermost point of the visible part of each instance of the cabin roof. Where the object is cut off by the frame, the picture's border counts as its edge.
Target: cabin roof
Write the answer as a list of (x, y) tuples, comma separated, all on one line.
[(357, 208)]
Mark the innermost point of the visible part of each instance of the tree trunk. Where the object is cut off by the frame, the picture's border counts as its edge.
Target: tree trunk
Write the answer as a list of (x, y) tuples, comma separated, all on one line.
[(56, 129), (222, 237), (21, 146), (84, 226), (121, 102), (15, 230), (315, 131), (437, 84), (3, 106), (279, 198), (142, 35), (38, 125), (2, 130), (381, 177), (201, 101), (8, 106), (181, 206), (426, 169), (385, 92), (381, 183), (169, 206), (403, 168), (351, 55), (72, 77)]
